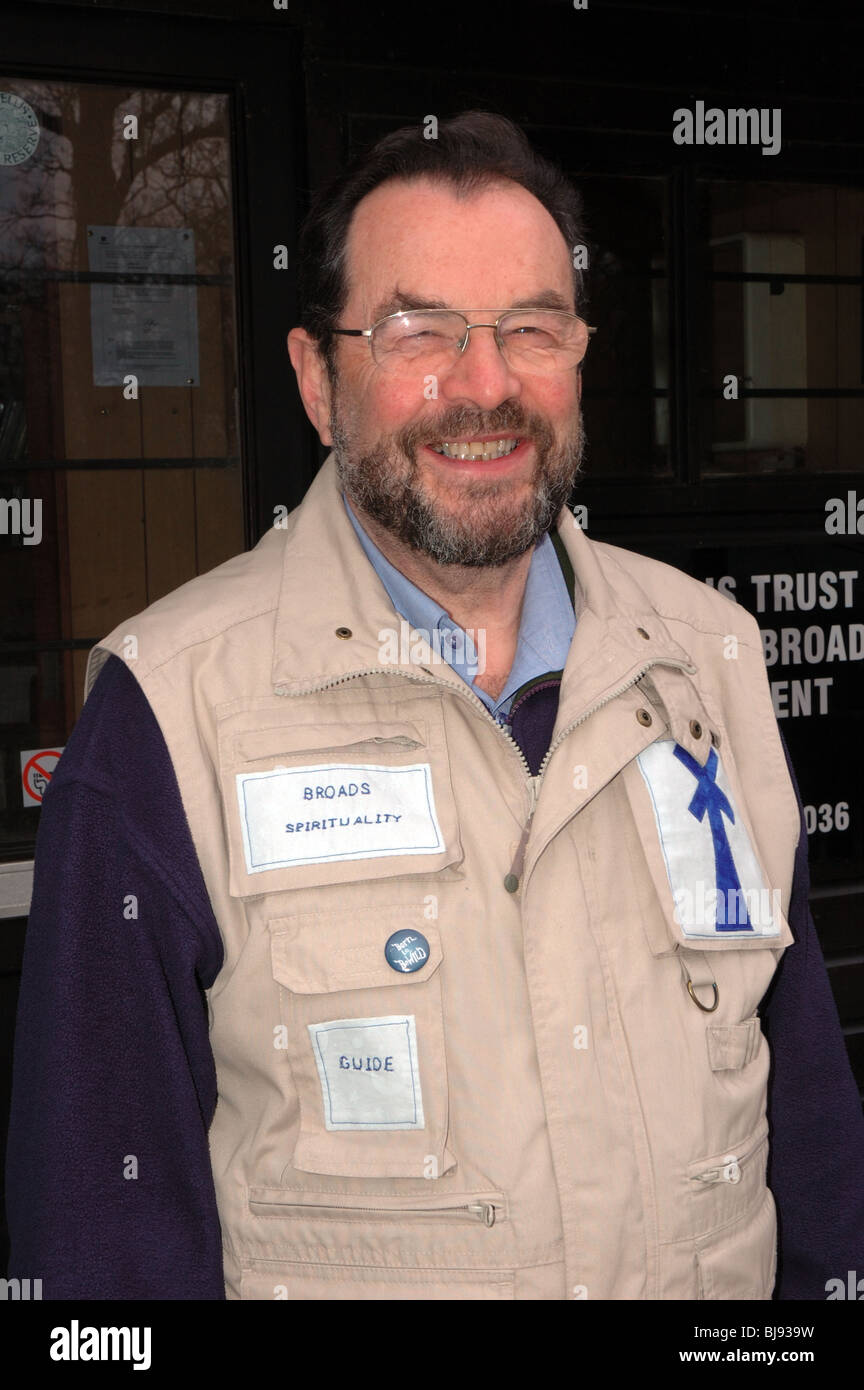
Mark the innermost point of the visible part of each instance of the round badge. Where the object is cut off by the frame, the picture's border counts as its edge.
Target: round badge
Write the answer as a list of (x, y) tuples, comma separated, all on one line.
[(407, 951), (19, 129)]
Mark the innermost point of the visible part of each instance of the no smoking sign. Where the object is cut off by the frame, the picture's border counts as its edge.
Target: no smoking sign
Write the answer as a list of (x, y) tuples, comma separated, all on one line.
[(37, 769)]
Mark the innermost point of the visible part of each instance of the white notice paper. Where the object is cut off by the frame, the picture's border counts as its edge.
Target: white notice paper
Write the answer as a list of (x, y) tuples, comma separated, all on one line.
[(146, 331), (314, 815)]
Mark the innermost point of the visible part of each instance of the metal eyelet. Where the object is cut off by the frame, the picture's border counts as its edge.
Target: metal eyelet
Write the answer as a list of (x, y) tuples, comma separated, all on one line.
[(695, 728), (644, 717), (344, 632)]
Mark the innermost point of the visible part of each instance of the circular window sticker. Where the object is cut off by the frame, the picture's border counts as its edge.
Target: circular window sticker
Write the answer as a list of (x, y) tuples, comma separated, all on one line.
[(19, 129)]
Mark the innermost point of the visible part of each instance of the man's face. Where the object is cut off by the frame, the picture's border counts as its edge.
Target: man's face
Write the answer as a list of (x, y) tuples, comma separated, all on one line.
[(496, 249)]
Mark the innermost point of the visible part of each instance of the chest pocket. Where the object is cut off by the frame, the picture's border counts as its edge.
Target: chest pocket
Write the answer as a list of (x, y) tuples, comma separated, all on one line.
[(710, 891), (364, 1037), (359, 793), (343, 840)]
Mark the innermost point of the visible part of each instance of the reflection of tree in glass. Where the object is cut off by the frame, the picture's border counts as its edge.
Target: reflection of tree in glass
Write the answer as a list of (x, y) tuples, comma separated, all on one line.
[(85, 168)]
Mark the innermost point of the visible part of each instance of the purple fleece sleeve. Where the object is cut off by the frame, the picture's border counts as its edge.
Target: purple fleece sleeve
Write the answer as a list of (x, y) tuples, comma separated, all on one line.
[(816, 1160), (109, 1187)]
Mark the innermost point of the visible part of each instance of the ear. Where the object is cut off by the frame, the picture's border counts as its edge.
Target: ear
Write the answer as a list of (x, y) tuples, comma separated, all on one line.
[(312, 380)]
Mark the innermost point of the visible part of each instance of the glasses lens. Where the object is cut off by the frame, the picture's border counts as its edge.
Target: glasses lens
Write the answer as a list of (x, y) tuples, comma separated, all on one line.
[(543, 340), (421, 337)]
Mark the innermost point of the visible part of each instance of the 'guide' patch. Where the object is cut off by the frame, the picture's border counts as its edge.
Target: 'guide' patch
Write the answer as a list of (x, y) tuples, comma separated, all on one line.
[(312, 815), (716, 882), (369, 1073)]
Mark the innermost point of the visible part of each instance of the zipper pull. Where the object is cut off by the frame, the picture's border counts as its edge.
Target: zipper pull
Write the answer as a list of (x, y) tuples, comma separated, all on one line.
[(511, 880), (485, 1210), (730, 1172)]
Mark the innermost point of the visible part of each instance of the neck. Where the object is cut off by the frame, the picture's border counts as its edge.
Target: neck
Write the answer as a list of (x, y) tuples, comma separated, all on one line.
[(478, 599), (473, 596)]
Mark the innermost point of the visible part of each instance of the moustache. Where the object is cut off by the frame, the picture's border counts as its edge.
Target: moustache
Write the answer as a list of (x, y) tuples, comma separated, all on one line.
[(506, 420)]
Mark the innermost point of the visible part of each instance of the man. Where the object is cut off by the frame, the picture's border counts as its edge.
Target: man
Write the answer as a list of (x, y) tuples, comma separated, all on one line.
[(477, 836)]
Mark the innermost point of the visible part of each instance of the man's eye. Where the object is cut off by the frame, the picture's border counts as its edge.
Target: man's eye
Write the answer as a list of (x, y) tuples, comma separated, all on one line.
[(529, 336)]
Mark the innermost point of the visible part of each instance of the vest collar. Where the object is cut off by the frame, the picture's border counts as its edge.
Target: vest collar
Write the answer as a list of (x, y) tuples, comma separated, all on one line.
[(335, 620)]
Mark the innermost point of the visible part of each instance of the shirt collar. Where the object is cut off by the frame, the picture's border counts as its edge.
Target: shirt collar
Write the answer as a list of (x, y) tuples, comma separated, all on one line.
[(545, 631)]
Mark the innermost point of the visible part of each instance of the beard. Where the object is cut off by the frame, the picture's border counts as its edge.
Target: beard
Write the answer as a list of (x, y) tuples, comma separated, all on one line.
[(485, 523)]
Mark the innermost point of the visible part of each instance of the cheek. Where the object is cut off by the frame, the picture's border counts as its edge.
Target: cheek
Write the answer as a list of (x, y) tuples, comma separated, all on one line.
[(558, 400), (389, 405)]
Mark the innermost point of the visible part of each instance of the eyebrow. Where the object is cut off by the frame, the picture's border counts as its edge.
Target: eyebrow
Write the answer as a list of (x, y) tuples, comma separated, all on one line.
[(399, 300)]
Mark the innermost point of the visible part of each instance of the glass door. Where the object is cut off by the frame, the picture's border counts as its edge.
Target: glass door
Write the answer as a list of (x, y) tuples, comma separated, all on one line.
[(120, 467)]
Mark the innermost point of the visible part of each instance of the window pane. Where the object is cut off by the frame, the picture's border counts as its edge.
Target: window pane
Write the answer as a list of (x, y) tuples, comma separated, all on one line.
[(120, 475), (780, 366)]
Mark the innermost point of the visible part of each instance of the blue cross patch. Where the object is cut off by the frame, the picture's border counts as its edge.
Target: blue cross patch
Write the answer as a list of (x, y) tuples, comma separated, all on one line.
[(717, 884)]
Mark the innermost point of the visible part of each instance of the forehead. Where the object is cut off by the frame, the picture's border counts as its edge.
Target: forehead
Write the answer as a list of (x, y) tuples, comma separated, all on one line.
[(493, 247)]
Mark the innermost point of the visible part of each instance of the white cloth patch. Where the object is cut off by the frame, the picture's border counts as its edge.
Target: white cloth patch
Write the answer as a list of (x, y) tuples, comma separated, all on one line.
[(316, 814), (716, 882), (369, 1073)]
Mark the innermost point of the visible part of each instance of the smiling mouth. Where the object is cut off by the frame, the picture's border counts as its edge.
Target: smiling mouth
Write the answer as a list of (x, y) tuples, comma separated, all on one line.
[(475, 451)]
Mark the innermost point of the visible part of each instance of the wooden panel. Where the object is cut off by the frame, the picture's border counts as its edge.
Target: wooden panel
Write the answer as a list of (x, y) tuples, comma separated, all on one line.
[(134, 536), (219, 515), (169, 493)]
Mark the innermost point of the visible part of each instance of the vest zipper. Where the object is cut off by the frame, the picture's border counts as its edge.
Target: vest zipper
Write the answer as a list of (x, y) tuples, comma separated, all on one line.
[(477, 1211), (511, 881), (427, 679)]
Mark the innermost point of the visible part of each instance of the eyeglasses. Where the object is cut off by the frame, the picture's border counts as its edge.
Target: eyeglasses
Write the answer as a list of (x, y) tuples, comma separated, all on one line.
[(536, 341)]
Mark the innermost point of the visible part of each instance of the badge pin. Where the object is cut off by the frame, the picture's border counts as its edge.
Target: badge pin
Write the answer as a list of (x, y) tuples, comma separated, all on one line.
[(407, 951)]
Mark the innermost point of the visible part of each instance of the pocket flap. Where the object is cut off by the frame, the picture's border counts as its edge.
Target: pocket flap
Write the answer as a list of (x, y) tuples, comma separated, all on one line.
[(710, 890), (321, 738), (732, 1047), (316, 953), (354, 793)]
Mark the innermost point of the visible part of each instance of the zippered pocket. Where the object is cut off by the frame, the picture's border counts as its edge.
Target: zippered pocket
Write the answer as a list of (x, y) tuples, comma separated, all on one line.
[(725, 1185), (487, 1208), (729, 1169)]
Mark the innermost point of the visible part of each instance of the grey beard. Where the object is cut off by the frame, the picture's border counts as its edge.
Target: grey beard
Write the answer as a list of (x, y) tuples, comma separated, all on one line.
[(380, 486)]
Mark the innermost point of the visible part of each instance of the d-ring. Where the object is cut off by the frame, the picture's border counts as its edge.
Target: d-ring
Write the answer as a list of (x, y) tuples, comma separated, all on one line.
[(704, 1007)]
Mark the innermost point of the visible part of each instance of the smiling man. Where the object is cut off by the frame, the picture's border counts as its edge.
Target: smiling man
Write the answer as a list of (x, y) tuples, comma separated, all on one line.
[(469, 970), (455, 495)]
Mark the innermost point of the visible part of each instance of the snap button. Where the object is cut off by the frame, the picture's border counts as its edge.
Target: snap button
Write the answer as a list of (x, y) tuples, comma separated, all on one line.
[(695, 728), (511, 883), (344, 632), (643, 633), (407, 951), (644, 717)]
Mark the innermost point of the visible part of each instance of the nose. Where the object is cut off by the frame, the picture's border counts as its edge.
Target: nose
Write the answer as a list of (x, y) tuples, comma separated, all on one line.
[(480, 375)]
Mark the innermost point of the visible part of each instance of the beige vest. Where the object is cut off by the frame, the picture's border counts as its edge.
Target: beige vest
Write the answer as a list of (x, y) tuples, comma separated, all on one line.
[(537, 1105)]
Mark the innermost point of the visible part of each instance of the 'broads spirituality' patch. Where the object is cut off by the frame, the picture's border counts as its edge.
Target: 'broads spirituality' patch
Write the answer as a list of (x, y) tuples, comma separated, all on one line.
[(313, 815)]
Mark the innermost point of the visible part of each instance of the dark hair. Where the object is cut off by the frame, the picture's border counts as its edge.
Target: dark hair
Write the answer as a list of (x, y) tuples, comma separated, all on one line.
[(472, 150)]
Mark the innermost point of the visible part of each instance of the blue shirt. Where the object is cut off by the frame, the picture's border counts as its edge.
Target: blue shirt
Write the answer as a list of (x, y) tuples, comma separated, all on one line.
[(545, 630)]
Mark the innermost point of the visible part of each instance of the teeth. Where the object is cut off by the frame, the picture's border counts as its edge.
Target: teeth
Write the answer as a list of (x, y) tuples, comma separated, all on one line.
[(492, 449)]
